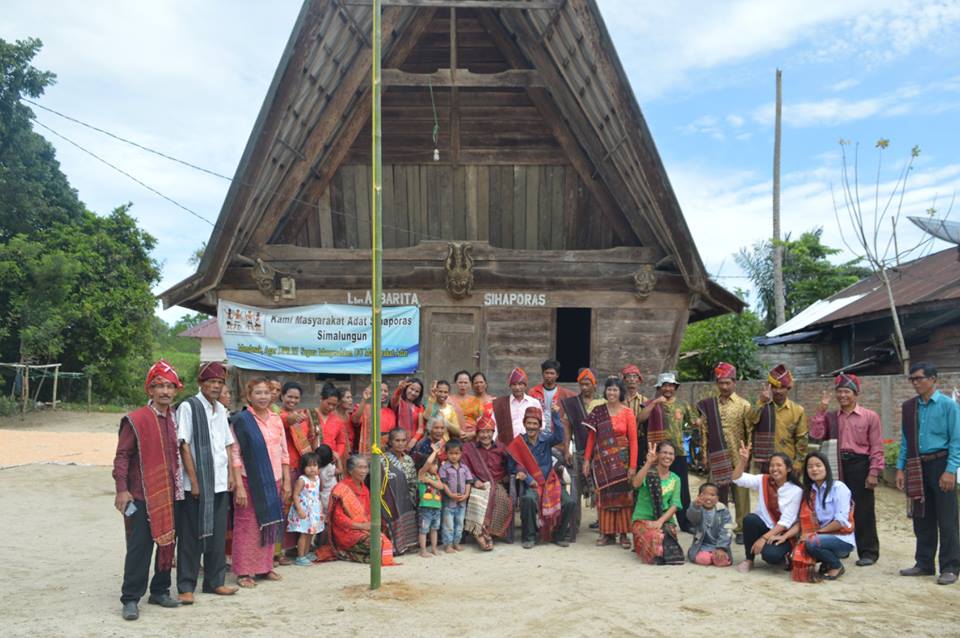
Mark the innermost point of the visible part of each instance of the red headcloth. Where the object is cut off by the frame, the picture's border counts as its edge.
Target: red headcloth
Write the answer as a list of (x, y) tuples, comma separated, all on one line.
[(162, 370), (517, 375), (631, 369), (211, 370), (780, 377), (533, 413), (725, 371), (849, 381), (587, 373), (485, 423)]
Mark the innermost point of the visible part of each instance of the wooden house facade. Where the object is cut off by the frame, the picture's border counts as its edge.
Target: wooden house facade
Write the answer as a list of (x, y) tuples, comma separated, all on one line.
[(525, 207)]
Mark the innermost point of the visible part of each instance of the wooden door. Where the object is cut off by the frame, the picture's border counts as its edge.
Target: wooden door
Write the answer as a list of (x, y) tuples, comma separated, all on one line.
[(451, 341)]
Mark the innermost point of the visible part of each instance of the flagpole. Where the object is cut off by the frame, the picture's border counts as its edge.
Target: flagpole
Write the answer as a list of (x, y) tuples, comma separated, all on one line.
[(376, 209)]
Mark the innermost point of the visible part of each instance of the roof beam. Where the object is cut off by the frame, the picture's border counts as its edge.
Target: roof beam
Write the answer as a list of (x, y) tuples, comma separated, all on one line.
[(514, 78)]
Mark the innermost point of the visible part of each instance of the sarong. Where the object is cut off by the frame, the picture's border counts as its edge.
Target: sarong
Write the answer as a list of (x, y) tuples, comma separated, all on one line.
[(718, 457)]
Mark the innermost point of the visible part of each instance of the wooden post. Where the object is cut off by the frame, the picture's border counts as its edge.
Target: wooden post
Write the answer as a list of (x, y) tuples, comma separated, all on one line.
[(375, 287), (89, 393), (56, 378), (26, 389)]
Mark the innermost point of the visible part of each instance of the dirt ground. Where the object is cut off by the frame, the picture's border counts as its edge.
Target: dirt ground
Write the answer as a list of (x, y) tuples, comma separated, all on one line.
[(62, 575)]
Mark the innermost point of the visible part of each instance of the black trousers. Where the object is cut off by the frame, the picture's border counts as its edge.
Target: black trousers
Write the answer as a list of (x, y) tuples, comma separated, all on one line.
[(753, 529), (190, 547), (855, 472), (940, 519), (136, 563), (679, 467), (529, 508)]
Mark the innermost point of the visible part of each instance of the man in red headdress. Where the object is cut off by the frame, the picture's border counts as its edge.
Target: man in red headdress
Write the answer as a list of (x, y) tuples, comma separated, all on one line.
[(508, 411), (851, 438), (544, 504), (146, 472), (780, 424), (205, 444), (723, 427)]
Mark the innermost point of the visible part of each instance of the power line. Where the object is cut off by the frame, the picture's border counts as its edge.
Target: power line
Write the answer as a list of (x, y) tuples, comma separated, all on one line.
[(123, 172), (344, 214)]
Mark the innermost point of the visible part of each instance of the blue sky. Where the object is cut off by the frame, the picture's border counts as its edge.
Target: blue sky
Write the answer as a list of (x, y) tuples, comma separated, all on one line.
[(189, 78)]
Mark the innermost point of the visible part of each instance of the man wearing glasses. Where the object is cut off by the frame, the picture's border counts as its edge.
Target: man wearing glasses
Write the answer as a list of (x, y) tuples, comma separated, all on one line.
[(927, 471)]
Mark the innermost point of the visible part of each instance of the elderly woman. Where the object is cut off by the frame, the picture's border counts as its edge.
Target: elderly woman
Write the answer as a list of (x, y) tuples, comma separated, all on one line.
[(263, 463), (825, 525), (400, 495), (658, 499), (611, 455), (350, 516), (764, 530)]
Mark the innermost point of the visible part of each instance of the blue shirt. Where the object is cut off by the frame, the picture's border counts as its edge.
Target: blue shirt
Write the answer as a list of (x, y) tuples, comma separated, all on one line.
[(541, 450), (837, 508), (939, 430)]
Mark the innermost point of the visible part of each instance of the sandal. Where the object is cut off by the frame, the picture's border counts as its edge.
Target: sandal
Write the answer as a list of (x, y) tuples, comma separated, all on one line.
[(272, 575), (282, 561), (625, 542), (603, 540), (246, 582)]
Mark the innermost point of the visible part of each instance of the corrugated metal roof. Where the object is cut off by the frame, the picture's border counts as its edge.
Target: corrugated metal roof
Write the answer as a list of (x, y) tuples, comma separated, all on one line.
[(930, 279), (813, 314), (203, 330)]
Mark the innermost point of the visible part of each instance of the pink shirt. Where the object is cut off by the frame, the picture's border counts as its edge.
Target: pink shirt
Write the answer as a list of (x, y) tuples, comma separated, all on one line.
[(860, 432), (276, 441)]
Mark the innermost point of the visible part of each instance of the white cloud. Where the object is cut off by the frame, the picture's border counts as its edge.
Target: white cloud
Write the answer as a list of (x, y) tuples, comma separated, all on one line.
[(736, 121), (843, 85), (667, 47)]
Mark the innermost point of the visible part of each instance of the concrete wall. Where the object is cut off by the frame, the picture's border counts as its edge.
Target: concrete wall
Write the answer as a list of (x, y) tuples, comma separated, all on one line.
[(883, 394)]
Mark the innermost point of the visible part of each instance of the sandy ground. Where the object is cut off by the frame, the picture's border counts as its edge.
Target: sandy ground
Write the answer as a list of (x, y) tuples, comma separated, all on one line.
[(62, 553)]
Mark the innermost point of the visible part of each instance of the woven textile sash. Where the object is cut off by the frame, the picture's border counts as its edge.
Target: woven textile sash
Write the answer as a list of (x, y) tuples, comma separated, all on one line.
[(157, 466), (576, 415), (670, 551), (763, 437), (656, 431), (300, 440), (263, 486), (501, 413), (910, 422), (771, 496), (718, 459), (203, 462), (400, 514), (609, 466), (830, 446)]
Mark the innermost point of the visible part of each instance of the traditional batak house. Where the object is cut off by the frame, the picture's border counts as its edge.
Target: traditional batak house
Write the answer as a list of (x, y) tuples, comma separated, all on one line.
[(526, 210)]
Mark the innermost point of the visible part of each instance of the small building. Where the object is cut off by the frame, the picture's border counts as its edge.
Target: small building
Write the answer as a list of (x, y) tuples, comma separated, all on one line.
[(211, 343), (853, 329), (525, 207)]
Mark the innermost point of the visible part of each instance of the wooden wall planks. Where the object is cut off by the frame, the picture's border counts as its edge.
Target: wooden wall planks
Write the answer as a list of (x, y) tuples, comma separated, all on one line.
[(536, 207)]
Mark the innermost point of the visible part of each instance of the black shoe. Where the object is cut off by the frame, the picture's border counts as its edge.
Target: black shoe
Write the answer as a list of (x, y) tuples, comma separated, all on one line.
[(739, 539), (130, 611), (595, 525), (840, 573), (916, 571), (866, 562), (164, 600), (561, 543)]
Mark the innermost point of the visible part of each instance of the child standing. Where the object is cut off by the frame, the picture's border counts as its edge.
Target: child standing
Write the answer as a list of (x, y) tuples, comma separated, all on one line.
[(429, 488), (457, 480), (306, 517), (711, 524)]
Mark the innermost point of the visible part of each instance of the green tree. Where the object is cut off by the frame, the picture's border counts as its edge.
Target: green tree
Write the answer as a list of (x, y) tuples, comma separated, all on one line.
[(808, 274), (34, 193), (725, 338)]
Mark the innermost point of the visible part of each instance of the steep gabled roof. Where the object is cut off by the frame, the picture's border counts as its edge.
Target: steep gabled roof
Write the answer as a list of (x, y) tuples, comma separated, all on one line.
[(319, 100)]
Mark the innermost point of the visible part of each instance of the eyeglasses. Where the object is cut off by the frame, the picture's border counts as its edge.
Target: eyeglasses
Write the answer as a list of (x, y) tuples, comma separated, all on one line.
[(915, 379)]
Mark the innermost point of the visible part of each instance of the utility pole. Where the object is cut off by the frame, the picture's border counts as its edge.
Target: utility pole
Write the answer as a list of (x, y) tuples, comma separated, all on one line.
[(779, 300), (375, 287)]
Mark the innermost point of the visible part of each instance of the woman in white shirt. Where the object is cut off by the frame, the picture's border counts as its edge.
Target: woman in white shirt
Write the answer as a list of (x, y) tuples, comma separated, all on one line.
[(764, 529)]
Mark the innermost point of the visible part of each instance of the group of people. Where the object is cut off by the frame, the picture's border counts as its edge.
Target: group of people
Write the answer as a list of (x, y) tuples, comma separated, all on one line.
[(275, 483)]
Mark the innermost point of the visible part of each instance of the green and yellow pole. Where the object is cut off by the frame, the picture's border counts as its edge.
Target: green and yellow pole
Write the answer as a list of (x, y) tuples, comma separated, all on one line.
[(375, 286)]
